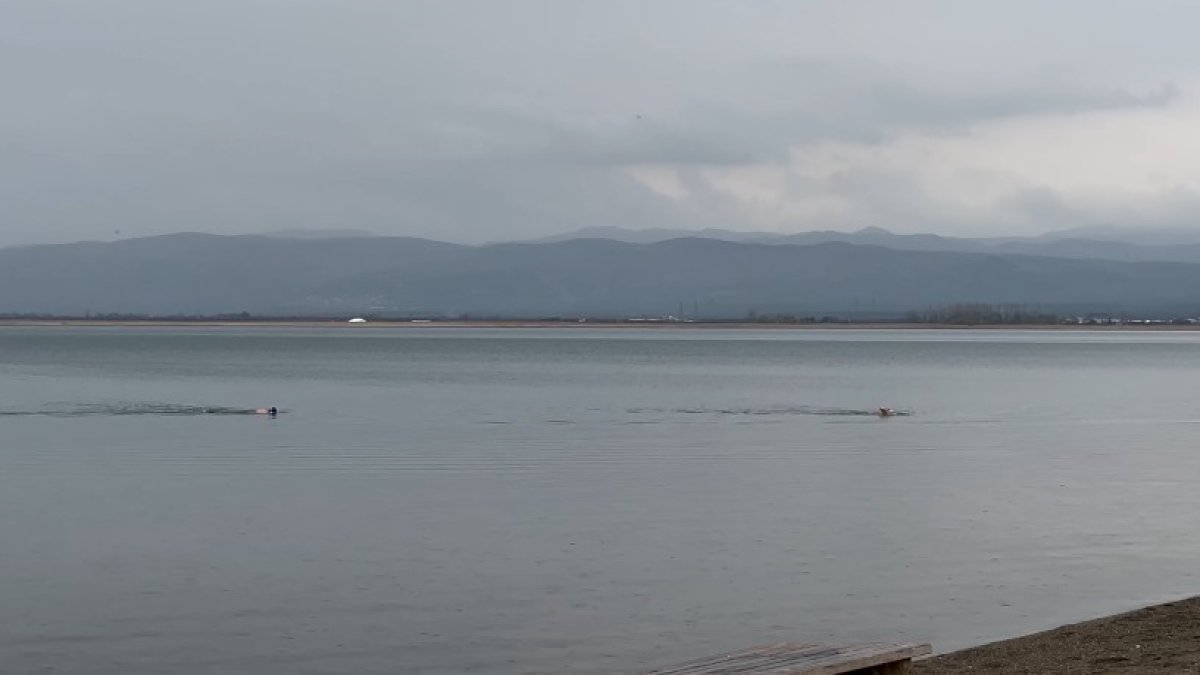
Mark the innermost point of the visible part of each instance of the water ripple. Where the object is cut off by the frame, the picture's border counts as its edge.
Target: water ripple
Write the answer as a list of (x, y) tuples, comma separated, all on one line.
[(777, 410), (115, 409)]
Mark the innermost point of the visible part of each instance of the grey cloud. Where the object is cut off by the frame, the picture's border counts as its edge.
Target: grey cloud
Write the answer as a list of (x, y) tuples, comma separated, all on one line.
[(760, 113), (466, 120), (1044, 206), (898, 201)]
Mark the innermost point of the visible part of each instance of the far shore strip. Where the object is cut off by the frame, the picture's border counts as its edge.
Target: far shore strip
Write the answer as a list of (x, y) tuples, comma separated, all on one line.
[(592, 324)]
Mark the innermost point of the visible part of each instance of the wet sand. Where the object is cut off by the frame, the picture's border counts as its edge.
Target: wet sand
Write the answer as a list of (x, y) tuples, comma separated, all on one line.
[(1158, 639)]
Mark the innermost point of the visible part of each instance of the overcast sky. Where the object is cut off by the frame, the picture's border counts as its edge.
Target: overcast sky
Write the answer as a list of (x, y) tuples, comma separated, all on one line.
[(490, 120)]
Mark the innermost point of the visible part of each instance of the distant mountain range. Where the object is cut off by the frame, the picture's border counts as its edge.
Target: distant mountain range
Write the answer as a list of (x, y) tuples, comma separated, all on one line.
[(703, 277), (310, 233), (1095, 243)]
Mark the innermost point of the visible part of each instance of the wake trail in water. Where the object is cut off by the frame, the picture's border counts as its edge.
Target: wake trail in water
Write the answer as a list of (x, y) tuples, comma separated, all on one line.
[(779, 410), (119, 409)]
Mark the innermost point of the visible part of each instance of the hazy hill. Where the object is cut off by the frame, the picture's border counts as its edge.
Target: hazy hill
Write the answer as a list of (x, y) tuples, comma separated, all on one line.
[(1168, 236), (193, 272), (1167, 246), (314, 233), (213, 274), (654, 235), (728, 279)]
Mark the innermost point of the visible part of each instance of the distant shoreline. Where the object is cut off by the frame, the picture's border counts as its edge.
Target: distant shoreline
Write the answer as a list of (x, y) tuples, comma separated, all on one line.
[(568, 325)]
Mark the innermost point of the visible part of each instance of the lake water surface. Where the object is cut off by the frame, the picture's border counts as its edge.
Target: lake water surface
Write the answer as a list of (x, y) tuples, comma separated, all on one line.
[(441, 500)]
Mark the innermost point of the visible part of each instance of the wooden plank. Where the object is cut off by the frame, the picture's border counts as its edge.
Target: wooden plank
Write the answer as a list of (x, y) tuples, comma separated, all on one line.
[(881, 656), (792, 658), (711, 663)]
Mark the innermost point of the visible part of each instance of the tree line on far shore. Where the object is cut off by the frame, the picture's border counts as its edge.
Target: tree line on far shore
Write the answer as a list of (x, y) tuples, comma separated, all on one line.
[(982, 314), (959, 314)]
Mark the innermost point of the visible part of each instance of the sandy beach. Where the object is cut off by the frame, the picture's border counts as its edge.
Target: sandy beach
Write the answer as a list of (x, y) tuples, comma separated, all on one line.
[(1159, 639)]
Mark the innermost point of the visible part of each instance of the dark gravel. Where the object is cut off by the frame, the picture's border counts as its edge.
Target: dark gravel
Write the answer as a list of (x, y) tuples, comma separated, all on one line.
[(1158, 639)]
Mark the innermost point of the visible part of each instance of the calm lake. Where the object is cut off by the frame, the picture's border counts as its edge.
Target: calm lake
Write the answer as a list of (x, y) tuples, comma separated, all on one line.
[(437, 500)]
